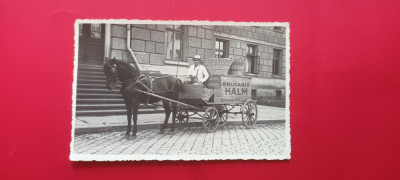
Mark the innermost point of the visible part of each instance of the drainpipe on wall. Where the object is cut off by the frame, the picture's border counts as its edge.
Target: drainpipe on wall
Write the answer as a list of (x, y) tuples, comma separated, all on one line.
[(107, 42), (128, 37)]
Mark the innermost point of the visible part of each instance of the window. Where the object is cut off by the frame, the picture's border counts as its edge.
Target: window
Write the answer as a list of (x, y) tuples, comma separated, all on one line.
[(252, 64), (276, 61), (221, 48), (278, 28), (278, 93), (173, 40), (254, 94)]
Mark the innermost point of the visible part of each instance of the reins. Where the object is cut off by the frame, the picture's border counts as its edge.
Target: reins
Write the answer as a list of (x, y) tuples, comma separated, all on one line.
[(152, 78), (139, 80), (150, 90)]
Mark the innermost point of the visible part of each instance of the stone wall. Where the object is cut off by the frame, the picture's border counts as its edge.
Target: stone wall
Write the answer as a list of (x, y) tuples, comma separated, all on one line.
[(238, 47), (262, 33), (118, 43), (201, 41), (148, 43)]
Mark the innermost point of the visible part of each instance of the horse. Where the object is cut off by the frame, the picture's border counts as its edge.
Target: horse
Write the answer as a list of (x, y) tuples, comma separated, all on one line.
[(163, 85)]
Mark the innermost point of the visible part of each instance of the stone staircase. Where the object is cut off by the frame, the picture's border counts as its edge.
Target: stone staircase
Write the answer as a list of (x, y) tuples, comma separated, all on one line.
[(94, 99)]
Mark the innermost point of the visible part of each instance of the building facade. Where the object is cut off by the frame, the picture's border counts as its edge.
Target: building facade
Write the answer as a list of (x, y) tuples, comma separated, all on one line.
[(170, 48)]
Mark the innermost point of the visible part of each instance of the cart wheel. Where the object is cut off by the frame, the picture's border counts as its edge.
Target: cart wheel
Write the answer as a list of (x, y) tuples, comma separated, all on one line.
[(223, 114), (182, 116), (249, 113), (210, 119)]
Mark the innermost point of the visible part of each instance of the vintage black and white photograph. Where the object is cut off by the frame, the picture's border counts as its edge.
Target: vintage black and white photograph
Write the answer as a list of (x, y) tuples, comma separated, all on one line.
[(180, 90)]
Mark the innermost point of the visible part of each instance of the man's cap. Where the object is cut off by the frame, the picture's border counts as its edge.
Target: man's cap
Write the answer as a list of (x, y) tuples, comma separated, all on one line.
[(196, 57)]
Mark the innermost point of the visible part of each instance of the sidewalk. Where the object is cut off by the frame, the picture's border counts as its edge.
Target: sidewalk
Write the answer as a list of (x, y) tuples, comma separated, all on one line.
[(91, 124)]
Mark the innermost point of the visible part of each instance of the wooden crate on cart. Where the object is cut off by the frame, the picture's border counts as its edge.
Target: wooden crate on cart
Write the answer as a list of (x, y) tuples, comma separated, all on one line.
[(195, 94)]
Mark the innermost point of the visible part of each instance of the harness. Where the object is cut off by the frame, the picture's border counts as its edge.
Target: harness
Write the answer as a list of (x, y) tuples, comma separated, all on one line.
[(139, 81)]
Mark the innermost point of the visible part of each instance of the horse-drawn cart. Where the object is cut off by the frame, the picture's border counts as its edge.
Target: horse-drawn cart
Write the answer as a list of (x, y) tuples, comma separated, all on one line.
[(215, 100), (212, 101)]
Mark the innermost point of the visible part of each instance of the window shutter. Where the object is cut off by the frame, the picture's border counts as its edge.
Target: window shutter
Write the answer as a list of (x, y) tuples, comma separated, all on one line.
[(257, 65)]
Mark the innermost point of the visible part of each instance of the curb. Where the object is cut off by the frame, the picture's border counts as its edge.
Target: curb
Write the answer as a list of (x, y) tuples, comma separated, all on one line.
[(81, 131)]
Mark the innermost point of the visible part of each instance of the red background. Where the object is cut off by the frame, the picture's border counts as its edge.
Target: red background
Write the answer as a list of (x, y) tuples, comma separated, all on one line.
[(344, 88)]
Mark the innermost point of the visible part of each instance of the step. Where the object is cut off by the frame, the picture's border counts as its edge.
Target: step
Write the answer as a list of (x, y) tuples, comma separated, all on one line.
[(94, 81), (99, 96), (92, 76), (99, 72), (80, 107), (113, 112), (90, 65), (96, 86), (97, 91), (100, 101), (90, 68), (90, 81)]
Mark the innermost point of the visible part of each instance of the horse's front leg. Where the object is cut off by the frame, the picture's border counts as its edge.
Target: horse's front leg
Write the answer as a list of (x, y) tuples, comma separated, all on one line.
[(173, 117), (135, 117), (167, 114), (129, 117)]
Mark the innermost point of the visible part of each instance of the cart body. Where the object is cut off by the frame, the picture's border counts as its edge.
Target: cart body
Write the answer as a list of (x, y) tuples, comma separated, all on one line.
[(214, 97)]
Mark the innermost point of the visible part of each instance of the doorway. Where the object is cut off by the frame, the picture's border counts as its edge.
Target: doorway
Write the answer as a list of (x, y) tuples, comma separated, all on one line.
[(91, 44)]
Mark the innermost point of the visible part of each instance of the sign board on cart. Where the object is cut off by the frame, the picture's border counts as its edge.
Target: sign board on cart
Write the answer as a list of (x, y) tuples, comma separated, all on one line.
[(230, 89)]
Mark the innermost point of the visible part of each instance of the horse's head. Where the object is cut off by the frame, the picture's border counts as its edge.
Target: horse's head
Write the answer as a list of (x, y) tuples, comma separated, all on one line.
[(110, 69), (118, 69)]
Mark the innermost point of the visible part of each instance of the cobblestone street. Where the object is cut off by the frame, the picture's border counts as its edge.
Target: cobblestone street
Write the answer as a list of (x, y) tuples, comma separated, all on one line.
[(264, 139)]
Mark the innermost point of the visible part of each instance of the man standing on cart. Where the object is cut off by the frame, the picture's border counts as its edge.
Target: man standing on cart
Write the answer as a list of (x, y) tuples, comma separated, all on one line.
[(198, 73)]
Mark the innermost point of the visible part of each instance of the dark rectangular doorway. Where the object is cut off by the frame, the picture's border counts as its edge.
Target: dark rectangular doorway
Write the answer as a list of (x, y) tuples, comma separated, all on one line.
[(91, 43)]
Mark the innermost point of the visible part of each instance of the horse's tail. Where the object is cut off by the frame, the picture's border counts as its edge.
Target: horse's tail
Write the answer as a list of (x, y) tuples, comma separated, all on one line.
[(180, 84)]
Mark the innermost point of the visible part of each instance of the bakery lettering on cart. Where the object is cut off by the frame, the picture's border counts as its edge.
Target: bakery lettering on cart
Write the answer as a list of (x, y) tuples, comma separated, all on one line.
[(236, 88)]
